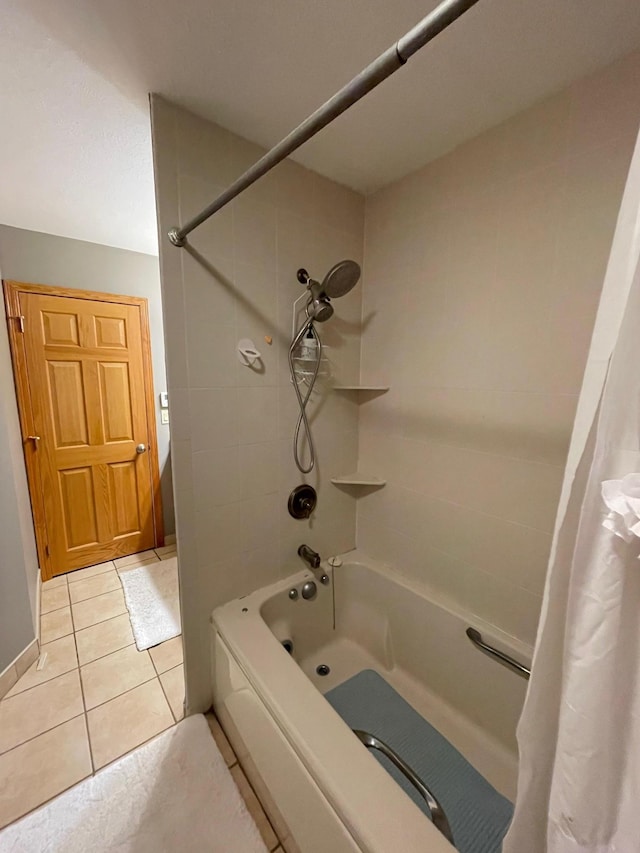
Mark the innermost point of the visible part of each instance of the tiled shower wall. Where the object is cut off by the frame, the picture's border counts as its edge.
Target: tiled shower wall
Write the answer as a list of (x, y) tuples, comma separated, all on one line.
[(231, 427), (483, 272)]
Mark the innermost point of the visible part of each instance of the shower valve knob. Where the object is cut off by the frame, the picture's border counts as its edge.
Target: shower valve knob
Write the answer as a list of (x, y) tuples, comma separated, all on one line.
[(302, 501)]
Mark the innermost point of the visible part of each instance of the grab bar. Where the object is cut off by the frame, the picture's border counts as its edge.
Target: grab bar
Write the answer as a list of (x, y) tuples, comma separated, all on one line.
[(437, 812), (476, 639)]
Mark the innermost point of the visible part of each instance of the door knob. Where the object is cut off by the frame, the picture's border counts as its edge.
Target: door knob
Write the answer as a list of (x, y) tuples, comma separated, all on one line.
[(140, 448), (34, 438)]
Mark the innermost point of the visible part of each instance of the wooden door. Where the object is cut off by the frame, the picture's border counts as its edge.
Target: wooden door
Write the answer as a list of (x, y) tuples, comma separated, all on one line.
[(91, 439)]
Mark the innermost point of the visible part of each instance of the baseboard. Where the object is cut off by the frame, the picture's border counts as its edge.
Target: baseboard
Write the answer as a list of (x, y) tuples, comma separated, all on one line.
[(170, 539), (18, 667)]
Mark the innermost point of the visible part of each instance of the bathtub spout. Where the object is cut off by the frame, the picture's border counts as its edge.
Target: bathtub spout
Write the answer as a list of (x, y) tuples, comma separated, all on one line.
[(311, 557)]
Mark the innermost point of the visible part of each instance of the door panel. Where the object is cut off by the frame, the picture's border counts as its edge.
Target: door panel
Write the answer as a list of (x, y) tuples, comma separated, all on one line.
[(78, 505), (86, 375), (60, 329), (115, 394), (66, 398), (110, 332), (123, 488)]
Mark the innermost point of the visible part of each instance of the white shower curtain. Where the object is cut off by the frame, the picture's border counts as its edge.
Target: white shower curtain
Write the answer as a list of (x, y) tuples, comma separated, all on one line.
[(579, 735)]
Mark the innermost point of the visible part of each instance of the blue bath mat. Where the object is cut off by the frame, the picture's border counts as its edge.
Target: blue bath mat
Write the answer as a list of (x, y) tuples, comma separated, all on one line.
[(478, 815)]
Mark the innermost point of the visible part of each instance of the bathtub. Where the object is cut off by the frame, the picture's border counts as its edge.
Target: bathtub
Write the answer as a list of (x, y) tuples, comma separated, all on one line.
[(322, 789)]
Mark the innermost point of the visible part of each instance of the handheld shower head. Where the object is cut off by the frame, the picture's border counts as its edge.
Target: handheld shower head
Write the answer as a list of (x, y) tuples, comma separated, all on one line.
[(318, 308), (341, 278)]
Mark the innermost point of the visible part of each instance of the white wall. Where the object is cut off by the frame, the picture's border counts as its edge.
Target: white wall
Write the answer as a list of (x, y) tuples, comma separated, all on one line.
[(483, 273), (232, 428)]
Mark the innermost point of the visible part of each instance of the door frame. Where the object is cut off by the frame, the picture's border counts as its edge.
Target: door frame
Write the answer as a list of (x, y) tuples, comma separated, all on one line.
[(12, 291)]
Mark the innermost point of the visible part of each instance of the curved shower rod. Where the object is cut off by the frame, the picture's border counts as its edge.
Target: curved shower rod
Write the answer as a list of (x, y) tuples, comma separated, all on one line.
[(384, 66)]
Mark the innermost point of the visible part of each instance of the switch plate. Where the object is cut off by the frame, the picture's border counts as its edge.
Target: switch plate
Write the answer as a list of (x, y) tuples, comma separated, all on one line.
[(164, 401), (164, 416)]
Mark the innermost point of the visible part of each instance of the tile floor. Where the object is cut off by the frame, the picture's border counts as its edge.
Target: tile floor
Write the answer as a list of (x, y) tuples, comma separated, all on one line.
[(96, 697)]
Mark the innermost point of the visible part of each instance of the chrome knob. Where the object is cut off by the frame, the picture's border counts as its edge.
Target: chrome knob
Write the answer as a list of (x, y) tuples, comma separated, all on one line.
[(293, 594), (309, 590), (140, 448)]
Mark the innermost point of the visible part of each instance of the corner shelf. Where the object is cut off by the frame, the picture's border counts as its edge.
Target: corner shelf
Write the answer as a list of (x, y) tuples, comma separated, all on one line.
[(358, 479), (379, 389)]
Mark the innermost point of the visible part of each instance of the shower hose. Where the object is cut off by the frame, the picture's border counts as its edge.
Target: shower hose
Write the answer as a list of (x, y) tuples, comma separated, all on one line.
[(303, 421)]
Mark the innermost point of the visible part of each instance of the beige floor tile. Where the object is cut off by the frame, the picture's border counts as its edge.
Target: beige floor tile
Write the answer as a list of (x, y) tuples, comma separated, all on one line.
[(220, 738), (255, 809), (54, 599), (58, 580), (139, 558), (167, 655), (43, 768), (60, 658), (28, 714), (55, 625), (173, 686), (166, 552), (108, 677), (90, 572), (91, 587), (127, 721), (102, 639), (98, 609)]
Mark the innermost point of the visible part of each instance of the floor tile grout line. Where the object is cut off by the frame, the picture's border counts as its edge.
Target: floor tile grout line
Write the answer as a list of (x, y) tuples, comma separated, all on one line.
[(40, 683), (123, 693), (84, 705), (133, 748), (171, 668), (164, 693), (43, 732), (99, 622), (97, 595), (106, 654), (49, 799), (54, 609), (71, 579)]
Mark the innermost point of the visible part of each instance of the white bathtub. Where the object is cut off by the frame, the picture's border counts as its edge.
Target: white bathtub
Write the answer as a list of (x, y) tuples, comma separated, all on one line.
[(322, 788)]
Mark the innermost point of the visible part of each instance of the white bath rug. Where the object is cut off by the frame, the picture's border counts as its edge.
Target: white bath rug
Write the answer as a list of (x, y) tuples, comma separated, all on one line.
[(172, 794), (152, 597)]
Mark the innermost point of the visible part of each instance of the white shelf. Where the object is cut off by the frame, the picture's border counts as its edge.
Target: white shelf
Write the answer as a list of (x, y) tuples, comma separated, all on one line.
[(379, 388), (358, 479)]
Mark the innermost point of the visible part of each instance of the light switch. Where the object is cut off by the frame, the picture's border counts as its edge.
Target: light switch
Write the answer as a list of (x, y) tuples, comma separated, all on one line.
[(164, 416), (164, 401)]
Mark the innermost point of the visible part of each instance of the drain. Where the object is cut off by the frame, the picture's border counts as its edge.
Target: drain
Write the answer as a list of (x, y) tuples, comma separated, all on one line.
[(323, 669), (288, 645)]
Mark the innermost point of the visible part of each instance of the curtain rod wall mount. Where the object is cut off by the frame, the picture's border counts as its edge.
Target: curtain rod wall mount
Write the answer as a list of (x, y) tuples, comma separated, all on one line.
[(384, 66)]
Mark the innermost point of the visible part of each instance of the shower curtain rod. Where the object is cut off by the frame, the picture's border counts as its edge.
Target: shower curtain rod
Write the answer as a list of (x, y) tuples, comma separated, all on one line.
[(384, 66)]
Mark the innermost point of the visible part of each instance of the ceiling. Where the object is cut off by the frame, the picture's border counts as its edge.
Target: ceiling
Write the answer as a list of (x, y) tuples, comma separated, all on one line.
[(75, 76)]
